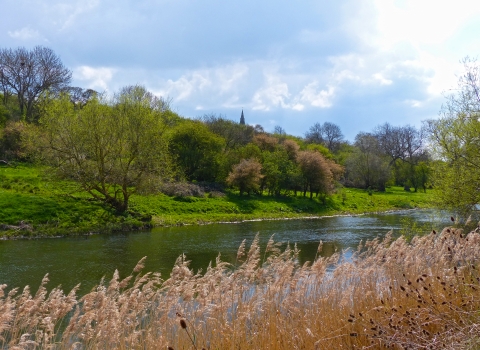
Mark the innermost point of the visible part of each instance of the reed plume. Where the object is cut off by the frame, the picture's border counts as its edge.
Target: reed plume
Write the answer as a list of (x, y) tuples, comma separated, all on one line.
[(418, 294)]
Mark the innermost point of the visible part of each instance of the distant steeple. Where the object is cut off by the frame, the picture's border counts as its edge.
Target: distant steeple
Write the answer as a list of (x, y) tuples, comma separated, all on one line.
[(242, 119)]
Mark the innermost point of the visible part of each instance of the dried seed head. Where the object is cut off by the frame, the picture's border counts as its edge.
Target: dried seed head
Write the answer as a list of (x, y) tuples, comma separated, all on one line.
[(183, 324)]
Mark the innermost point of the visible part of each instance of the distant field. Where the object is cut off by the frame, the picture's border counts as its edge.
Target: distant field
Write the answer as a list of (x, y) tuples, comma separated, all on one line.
[(32, 199)]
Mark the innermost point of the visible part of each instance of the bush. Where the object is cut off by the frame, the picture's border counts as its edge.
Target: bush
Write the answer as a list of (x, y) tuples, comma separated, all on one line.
[(246, 176), (12, 146), (216, 194), (181, 189)]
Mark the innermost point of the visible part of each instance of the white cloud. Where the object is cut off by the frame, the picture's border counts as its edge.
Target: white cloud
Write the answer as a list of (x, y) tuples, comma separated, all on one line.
[(95, 78), (315, 97), (424, 22), (218, 81), (414, 103), (186, 86), (410, 40), (24, 34), (274, 94), (382, 79), (229, 77), (66, 13)]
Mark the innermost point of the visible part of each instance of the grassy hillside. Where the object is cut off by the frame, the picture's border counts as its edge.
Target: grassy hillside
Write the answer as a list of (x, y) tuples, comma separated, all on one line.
[(33, 202)]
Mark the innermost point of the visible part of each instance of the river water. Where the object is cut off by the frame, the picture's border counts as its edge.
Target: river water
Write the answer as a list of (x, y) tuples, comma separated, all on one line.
[(86, 259)]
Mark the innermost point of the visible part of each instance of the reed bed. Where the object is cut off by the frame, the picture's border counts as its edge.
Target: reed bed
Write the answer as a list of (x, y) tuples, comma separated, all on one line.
[(422, 294)]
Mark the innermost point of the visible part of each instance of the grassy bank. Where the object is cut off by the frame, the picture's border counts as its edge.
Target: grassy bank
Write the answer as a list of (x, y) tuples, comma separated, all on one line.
[(392, 294), (32, 202)]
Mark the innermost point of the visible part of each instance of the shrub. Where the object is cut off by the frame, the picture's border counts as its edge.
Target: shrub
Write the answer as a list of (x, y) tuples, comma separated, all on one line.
[(12, 146), (181, 189), (246, 175)]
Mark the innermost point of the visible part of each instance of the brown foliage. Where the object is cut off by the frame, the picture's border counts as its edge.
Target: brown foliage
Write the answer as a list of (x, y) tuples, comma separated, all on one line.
[(246, 175), (319, 173), (265, 142), (12, 146), (292, 149)]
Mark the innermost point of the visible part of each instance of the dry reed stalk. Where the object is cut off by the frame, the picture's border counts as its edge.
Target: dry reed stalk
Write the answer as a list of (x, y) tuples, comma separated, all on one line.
[(420, 294)]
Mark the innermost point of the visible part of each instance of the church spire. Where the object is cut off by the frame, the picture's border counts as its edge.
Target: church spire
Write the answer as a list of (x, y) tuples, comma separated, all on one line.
[(242, 119)]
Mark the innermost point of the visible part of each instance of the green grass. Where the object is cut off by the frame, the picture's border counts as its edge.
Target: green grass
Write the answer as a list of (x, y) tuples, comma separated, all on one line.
[(29, 194), (233, 207)]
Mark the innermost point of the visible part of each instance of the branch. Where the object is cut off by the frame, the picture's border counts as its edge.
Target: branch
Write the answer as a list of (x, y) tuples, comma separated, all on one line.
[(7, 163)]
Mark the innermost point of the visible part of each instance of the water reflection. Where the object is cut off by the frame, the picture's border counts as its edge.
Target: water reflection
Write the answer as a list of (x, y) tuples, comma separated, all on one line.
[(86, 259)]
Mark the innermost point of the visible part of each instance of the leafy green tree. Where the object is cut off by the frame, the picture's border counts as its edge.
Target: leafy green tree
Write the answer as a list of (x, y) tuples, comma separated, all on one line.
[(275, 170), (112, 148), (229, 159), (423, 175), (456, 144), (196, 150), (235, 135), (9, 109), (321, 149), (280, 168), (246, 176), (367, 167)]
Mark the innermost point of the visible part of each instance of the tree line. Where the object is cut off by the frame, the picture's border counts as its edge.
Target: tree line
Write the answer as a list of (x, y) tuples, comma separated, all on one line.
[(133, 142)]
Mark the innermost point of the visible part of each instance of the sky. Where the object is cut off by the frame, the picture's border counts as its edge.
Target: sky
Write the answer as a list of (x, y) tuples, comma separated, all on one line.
[(287, 63)]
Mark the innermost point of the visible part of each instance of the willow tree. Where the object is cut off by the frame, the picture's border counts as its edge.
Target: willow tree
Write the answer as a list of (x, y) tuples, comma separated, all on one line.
[(455, 140), (112, 148)]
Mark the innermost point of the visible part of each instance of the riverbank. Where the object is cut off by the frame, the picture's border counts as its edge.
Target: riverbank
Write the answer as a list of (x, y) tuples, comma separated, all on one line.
[(33, 203)]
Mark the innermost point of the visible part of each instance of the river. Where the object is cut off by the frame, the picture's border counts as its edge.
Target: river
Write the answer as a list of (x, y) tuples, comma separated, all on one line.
[(86, 259)]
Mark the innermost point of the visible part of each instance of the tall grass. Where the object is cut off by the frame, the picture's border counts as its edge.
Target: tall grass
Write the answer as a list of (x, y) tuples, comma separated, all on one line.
[(422, 294)]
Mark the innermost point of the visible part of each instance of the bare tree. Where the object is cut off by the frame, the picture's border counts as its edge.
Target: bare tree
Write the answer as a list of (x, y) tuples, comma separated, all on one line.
[(328, 135), (78, 96), (29, 73), (278, 130), (315, 134), (332, 135), (399, 142), (404, 147)]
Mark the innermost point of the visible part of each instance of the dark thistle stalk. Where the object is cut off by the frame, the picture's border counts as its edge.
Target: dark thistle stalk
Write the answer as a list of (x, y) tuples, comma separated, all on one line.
[(183, 324)]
